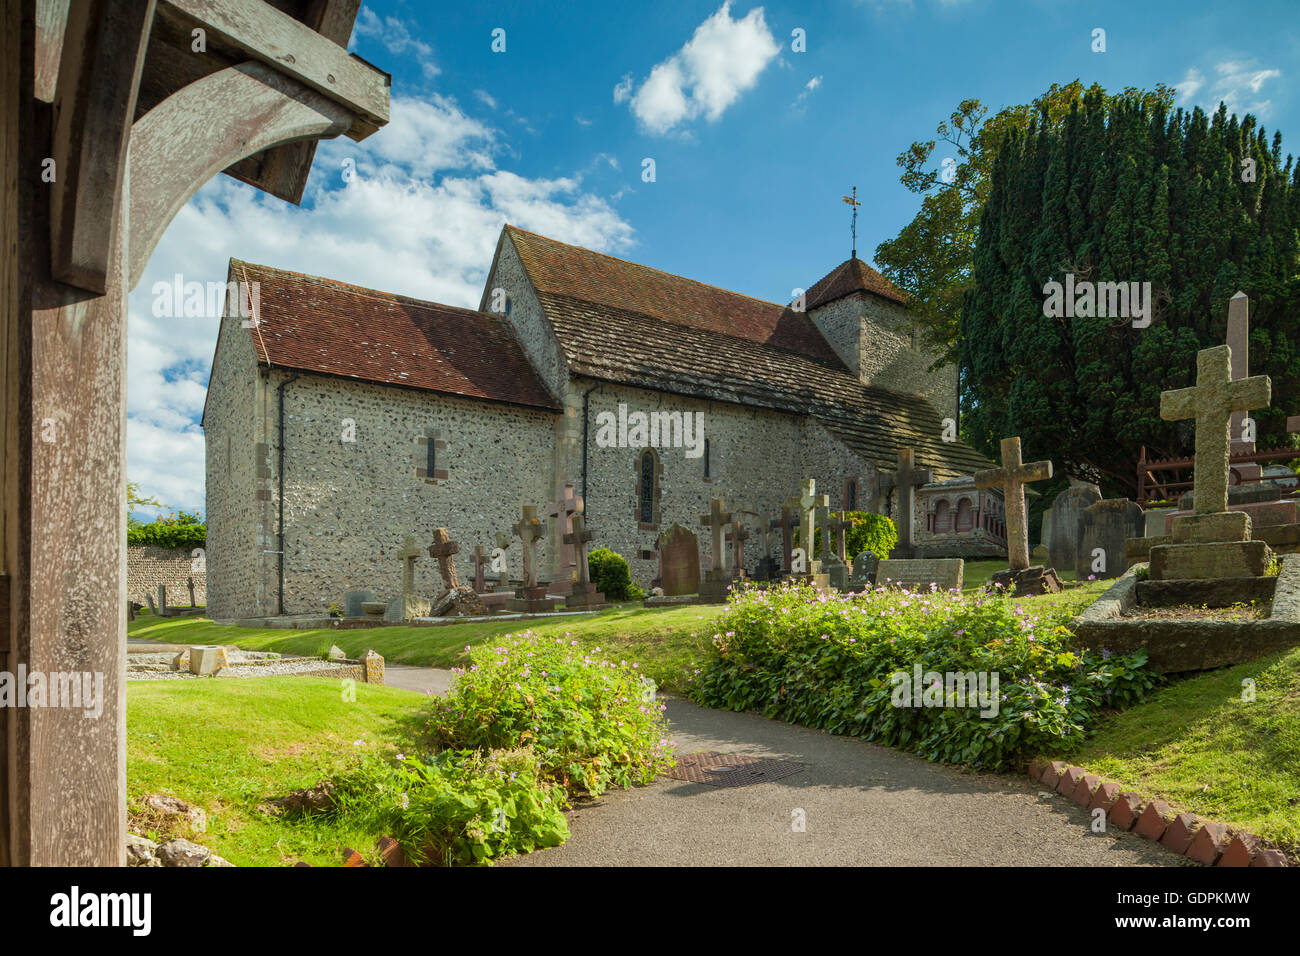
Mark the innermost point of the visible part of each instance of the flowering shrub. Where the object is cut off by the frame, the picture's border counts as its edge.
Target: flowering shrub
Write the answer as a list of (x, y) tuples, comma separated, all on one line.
[(458, 807), (829, 660), (593, 723)]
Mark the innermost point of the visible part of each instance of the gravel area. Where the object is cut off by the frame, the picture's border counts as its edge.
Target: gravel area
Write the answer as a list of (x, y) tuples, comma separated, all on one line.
[(284, 666)]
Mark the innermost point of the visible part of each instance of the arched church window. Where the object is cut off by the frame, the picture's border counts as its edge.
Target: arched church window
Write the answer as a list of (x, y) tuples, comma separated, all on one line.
[(965, 515), (851, 495), (942, 518), (646, 496)]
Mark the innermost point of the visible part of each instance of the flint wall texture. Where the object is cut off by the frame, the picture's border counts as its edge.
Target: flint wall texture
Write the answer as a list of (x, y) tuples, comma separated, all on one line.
[(148, 566)]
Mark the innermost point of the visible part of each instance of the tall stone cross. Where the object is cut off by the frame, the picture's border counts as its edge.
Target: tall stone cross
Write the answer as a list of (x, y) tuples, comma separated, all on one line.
[(1211, 401), (737, 536), (503, 542), (716, 520), (579, 537), (906, 479), (409, 555), (762, 534), (840, 527), (529, 530), (1239, 342), (567, 503), (1013, 476), (809, 502), (443, 548), (480, 559), (788, 521)]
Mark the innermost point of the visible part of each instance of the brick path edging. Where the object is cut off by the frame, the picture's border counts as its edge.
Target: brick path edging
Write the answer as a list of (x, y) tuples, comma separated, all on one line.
[(1184, 833)]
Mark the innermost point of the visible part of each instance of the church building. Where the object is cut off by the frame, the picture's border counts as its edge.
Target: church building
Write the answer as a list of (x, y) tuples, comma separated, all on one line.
[(339, 420)]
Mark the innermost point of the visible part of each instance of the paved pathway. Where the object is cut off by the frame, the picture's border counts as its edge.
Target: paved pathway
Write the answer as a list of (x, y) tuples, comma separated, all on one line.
[(863, 805)]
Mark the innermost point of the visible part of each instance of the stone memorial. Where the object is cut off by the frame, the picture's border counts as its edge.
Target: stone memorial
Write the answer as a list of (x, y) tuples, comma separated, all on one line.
[(456, 599), (566, 505), (835, 564), (864, 571), (407, 605), (716, 581), (1020, 578), (1103, 528), (503, 545), (530, 597), (808, 504), (906, 480), (935, 574), (788, 521), (352, 601), (767, 569), (480, 559), (679, 561), (736, 537), (584, 594), (1064, 519)]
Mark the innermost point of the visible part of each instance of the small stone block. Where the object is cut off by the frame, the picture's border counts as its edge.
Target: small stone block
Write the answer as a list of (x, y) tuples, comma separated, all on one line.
[(1219, 526), (1104, 796), (391, 851), (1268, 856), (1125, 811), (1210, 561), (353, 858), (1155, 820), (374, 667), (1052, 775), (1178, 837), (1069, 780), (1240, 852), (206, 659), (1082, 794), (1208, 844)]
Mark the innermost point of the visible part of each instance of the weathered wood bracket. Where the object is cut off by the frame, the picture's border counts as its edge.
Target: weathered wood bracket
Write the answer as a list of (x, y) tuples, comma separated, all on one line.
[(99, 76), (203, 128), (275, 38)]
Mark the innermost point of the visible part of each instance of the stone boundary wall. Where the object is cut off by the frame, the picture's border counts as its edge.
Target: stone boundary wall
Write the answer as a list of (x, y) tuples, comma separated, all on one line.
[(148, 566)]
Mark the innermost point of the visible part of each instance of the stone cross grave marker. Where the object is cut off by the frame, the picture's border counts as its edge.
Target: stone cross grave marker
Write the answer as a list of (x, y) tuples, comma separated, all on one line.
[(788, 521), (1013, 476), (409, 555), (716, 520), (567, 503), (162, 599), (443, 548), (906, 479), (1211, 401), (529, 530), (1239, 342), (809, 502), (840, 525), (480, 559), (190, 585), (503, 543), (578, 538), (737, 536)]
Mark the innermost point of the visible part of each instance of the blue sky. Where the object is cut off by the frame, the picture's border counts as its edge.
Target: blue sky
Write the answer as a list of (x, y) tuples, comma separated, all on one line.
[(753, 145)]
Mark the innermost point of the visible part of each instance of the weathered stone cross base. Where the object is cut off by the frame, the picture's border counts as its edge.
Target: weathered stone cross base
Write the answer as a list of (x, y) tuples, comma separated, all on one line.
[(837, 572), (531, 600), (1025, 583), (404, 607), (713, 589), (816, 578), (1209, 547), (462, 601), (584, 596)]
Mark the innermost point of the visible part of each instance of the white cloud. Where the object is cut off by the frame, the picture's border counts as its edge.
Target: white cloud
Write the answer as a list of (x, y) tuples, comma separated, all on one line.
[(397, 39), (421, 217), (723, 59), (1238, 84), (807, 91), (486, 98)]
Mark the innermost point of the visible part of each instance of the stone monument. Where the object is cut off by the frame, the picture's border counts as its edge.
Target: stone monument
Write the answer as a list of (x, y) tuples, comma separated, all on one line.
[(407, 605), (716, 581), (1020, 578), (584, 594), (906, 479), (530, 597)]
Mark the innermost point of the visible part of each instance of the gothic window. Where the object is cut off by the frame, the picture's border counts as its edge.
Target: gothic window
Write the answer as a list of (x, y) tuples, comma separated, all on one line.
[(708, 460), (851, 495), (965, 515), (942, 518), (430, 463), (646, 488)]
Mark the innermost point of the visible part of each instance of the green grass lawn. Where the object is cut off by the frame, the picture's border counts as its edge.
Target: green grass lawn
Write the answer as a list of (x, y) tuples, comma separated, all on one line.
[(665, 641), (1198, 745), (229, 745)]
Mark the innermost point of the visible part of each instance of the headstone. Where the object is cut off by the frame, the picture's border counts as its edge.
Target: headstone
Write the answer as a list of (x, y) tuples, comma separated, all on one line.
[(162, 600), (1064, 517), (788, 521), (352, 601), (566, 505), (737, 537), (480, 559), (906, 479), (679, 561), (1103, 527), (1012, 476), (945, 574), (864, 571), (767, 566), (808, 503), (443, 550), (503, 545), (716, 581), (152, 608), (584, 592), (840, 526), (1239, 343), (190, 584), (407, 605), (530, 597)]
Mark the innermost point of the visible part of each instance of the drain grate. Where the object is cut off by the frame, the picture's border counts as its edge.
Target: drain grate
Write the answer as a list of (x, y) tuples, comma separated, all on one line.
[(731, 770)]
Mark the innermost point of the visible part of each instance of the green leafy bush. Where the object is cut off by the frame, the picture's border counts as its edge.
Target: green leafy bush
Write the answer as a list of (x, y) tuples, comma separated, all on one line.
[(456, 808), (180, 530), (829, 661), (870, 532), (593, 724), (612, 576)]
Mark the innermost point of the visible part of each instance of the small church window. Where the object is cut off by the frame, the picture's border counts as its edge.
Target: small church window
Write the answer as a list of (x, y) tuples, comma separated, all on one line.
[(708, 460), (646, 498), (431, 465), (851, 495), (965, 515), (942, 518)]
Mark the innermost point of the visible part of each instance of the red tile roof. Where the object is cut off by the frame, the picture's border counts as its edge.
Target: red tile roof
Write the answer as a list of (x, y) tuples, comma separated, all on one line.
[(561, 269), (332, 328), (851, 275)]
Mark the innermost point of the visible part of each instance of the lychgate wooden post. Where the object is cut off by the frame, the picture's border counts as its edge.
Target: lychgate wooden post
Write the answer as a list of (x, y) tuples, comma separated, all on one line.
[(111, 120)]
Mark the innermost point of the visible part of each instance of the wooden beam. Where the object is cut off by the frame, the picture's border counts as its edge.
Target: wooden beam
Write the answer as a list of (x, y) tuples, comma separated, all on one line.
[(99, 76), (51, 21), (201, 129), (277, 39)]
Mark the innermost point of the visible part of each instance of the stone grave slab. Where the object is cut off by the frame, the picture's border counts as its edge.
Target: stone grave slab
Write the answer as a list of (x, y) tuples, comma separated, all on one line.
[(1064, 518), (679, 561), (1106, 525), (918, 574)]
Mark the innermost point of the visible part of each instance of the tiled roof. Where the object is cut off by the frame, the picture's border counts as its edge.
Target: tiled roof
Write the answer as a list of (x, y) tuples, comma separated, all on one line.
[(622, 345), (851, 275), (332, 328), (578, 273)]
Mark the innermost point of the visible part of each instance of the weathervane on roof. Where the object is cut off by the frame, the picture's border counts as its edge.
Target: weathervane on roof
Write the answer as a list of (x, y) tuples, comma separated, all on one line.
[(853, 201)]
